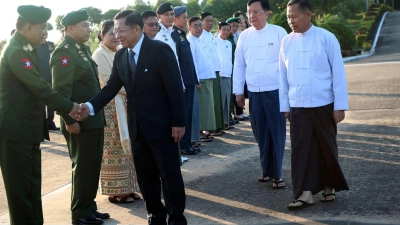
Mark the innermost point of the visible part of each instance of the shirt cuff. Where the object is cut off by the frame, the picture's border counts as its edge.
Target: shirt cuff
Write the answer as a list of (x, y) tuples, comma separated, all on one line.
[(90, 108)]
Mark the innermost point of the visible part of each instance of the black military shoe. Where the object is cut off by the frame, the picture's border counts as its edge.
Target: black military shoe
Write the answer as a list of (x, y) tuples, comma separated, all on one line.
[(196, 149), (53, 127), (88, 220), (189, 151), (101, 215)]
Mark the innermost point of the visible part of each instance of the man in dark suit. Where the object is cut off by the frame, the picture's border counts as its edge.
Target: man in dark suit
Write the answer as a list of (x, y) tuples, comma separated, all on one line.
[(44, 51), (149, 72), (188, 72)]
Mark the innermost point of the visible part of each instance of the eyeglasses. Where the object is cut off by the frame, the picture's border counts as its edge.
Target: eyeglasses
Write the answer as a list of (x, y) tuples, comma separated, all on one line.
[(121, 31), (197, 26), (153, 24), (255, 13)]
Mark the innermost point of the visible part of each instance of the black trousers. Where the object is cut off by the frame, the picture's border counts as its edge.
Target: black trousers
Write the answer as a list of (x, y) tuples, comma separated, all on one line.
[(50, 117), (157, 164), (188, 97)]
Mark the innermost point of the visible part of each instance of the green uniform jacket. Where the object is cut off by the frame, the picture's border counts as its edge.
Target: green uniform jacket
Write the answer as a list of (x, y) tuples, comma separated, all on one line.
[(24, 94), (75, 76)]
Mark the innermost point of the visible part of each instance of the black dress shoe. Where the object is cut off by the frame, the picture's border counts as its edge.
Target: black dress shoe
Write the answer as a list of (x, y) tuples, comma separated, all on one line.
[(88, 220), (101, 215), (53, 128), (189, 151), (196, 149)]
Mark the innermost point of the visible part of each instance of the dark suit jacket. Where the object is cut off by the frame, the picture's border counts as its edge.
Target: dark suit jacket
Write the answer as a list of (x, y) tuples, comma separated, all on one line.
[(185, 57), (154, 95)]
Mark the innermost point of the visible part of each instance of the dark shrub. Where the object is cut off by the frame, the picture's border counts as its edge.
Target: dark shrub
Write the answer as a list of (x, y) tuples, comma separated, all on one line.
[(343, 34)]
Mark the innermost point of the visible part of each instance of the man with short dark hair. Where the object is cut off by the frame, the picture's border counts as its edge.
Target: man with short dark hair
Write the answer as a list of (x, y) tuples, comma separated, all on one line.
[(211, 47), (151, 25), (188, 72), (23, 96), (256, 62), (313, 96), (149, 72), (75, 76)]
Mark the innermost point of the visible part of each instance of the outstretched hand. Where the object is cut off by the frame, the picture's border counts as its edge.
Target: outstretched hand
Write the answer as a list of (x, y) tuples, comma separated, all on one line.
[(80, 112)]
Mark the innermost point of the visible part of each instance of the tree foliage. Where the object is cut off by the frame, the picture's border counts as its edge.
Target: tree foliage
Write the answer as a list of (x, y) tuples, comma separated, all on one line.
[(95, 15), (193, 8), (49, 26), (58, 20), (110, 14)]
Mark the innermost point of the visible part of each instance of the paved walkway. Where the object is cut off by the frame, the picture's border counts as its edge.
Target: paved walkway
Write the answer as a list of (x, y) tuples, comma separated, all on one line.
[(221, 182)]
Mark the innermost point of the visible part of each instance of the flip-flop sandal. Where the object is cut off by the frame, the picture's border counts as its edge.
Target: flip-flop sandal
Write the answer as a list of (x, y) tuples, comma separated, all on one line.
[(216, 134), (327, 195), (122, 200), (134, 196), (276, 183), (264, 179), (303, 205)]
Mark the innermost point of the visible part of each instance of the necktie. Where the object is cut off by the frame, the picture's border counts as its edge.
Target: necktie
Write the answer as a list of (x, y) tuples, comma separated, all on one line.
[(132, 63)]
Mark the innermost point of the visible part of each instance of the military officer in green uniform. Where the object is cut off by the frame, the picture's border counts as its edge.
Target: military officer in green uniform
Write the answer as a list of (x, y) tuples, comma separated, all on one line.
[(75, 76), (23, 96)]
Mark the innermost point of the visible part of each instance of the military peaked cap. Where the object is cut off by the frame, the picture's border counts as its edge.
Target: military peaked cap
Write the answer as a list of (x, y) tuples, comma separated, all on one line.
[(233, 19), (179, 10), (165, 7), (74, 17), (34, 14)]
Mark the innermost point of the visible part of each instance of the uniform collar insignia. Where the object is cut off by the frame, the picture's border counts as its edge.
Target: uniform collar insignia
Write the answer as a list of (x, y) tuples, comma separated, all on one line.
[(25, 48), (66, 46), (29, 47), (77, 46), (179, 31)]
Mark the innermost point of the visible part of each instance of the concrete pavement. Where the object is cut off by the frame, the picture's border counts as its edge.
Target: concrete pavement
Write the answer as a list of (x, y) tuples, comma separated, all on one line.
[(221, 182)]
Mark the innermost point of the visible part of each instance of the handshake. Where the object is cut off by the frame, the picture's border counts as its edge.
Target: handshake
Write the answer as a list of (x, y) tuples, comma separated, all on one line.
[(80, 111)]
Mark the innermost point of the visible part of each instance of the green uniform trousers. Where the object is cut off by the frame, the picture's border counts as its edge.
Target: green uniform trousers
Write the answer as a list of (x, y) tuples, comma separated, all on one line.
[(219, 118), (21, 168), (86, 152)]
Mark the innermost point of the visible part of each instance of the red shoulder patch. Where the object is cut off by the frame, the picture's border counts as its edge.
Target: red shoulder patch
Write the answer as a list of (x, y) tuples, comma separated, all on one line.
[(64, 61), (27, 63)]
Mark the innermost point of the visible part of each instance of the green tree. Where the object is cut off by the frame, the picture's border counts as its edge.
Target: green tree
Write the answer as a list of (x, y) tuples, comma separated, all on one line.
[(58, 24), (221, 10), (109, 15), (193, 8), (94, 14), (49, 26), (142, 7)]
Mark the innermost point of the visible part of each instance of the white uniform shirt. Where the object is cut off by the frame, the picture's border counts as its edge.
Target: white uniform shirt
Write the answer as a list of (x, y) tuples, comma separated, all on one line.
[(224, 48), (257, 59), (211, 45), (164, 35), (201, 58), (312, 71)]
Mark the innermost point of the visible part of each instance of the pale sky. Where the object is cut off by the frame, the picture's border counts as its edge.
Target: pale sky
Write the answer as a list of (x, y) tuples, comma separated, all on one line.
[(9, 14)]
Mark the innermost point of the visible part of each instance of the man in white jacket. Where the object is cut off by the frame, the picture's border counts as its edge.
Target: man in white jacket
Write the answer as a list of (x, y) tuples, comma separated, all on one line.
[(256, 62)]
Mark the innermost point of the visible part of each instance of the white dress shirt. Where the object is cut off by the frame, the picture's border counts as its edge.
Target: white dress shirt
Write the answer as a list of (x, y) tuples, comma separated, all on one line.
[(257, 59), (312, 71), (211, 45), (201, 58), (164, 35), (224, 48)]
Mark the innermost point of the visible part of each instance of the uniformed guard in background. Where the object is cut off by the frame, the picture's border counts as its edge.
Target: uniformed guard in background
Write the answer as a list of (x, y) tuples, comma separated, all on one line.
[(44, 51), (75, 76), (23, 96)]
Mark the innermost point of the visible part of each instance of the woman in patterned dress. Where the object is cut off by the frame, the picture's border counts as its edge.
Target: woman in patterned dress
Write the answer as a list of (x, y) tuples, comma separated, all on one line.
[(118, 175)]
